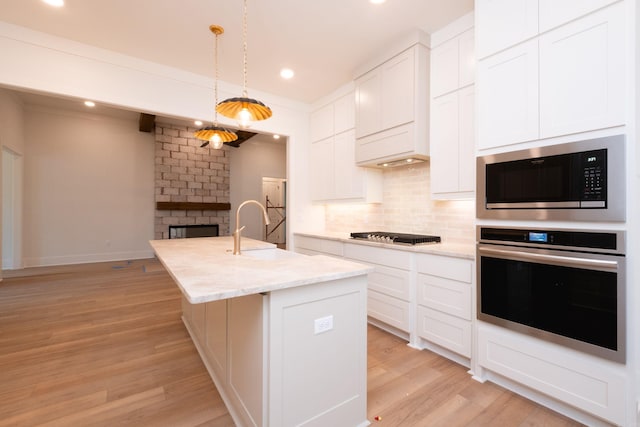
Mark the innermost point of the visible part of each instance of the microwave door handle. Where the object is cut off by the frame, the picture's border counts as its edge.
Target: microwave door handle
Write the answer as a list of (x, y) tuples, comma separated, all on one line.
[(564, 261)]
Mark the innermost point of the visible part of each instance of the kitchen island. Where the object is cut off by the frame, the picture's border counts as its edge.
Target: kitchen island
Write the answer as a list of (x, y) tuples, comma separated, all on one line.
[(283, 335)]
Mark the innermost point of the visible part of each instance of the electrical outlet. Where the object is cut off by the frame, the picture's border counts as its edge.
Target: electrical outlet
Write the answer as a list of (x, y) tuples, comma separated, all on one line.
[(323, 324)]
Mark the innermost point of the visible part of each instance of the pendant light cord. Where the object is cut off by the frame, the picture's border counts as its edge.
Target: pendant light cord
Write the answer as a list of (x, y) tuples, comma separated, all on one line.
[(244, 36), (215, 86)]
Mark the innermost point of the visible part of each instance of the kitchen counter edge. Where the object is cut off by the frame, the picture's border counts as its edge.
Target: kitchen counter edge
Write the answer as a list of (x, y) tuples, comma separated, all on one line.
[(446, 249)]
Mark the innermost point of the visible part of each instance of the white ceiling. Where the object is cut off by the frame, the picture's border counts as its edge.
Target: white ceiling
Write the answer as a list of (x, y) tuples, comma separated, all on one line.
[(324, 42)]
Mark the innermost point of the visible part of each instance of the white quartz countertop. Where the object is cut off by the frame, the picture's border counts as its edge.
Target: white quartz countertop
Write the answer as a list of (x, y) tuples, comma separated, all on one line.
[(206, 270), (444, 248)]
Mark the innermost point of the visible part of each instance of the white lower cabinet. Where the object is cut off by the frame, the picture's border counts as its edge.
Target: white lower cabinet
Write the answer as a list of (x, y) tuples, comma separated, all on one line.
[(389, 285), (575, 379), (445, 330), (424, 298), (444, 298)]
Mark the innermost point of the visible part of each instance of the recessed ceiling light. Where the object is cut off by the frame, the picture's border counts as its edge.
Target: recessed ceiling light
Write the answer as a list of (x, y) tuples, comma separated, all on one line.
[(197, 123), (90, 104), (54, 3), (286, 73)]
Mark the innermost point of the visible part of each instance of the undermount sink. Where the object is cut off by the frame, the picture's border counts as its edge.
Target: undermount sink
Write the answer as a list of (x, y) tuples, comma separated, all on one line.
[(269, 254)]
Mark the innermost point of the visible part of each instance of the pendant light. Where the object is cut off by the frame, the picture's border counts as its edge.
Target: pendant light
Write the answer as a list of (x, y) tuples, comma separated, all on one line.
[(244, 109), (215, 134)]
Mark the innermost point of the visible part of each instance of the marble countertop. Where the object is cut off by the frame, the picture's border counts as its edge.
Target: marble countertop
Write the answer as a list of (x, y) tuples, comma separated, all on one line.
[(444, 248), (206, 270)]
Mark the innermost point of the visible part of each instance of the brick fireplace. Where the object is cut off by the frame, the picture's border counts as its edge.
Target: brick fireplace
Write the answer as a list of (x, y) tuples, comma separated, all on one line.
[(191, 183)]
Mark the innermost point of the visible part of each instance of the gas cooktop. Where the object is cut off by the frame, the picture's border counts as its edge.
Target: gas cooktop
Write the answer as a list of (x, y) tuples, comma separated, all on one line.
[(400, 238)]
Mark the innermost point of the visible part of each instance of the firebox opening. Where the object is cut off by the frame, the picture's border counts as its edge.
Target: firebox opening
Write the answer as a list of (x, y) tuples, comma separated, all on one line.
[(188, 231)]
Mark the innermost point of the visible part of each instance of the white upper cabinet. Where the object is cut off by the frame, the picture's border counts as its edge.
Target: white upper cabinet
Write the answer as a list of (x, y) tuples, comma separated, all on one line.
[(553, 13), (321, 123), (467, 141), (466, 58), (453, 64), (445, 68), (567, 80), (333, 173), (385, 95), (582, 74), (453, 145), (508, 96), (321, 170), (369, 103), (452, 131), (504, 23), (398, 90), (392, 109), (344, 113), (445, 149)]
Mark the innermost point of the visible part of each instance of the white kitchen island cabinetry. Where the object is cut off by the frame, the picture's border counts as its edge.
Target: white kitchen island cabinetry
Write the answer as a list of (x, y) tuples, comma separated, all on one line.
[(283, 335), (392, 109), (567, 80), (334, 175)]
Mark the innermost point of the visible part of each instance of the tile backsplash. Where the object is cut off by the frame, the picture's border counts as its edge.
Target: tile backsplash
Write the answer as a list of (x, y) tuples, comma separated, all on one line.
[(407, 208)]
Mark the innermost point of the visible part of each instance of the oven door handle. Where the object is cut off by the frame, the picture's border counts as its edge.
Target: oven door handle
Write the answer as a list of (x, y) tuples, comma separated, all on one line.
[(564, 261)]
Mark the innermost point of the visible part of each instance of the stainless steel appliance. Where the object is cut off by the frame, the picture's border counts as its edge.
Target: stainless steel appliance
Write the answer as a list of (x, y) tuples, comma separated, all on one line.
[(578, 181), (397, 238), (565, 286)]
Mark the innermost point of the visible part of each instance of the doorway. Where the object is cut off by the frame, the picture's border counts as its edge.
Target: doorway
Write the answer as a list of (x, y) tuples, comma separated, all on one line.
[(274, 191), (11, 210)]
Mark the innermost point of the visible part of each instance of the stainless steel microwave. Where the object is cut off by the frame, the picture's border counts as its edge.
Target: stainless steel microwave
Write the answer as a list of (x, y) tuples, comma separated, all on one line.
[(578, 181)]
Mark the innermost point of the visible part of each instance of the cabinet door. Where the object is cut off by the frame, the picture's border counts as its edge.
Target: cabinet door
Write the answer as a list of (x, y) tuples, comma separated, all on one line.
[(554, 13), (508, 96), (321, 123), (398, 89), (466, 58), (321, 170), (466, 140), (445, 68), (344, 113), (444, 144), (348, 178), (368, 103), (582, 74), (504, 23)]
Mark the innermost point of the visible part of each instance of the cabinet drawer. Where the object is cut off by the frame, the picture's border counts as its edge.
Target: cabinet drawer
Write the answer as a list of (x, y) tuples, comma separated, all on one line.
[(378, 255), (389, 281), (324, 246), (444, 330), (448, 296), (389, 310), (448, 267)]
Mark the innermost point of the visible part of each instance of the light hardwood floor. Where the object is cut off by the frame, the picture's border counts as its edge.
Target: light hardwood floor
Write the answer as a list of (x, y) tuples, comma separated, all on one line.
[(103, 345)]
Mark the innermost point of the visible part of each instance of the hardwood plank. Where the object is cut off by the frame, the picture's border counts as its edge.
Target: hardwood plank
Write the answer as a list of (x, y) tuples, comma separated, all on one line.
[(103, 344)]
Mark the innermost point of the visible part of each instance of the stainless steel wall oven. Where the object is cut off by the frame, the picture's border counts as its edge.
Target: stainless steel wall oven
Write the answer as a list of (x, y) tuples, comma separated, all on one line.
[(564, 286), (578, 181)]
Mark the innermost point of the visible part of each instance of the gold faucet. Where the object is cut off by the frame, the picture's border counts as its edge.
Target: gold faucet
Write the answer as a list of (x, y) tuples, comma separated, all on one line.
[(236, 234)]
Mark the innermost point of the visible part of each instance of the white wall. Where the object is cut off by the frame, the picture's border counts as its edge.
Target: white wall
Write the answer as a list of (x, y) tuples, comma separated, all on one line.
[(88, 190), (12, 138), (256, 158)]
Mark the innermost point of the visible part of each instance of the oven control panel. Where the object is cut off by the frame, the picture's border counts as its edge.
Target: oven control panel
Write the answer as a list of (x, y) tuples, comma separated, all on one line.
[(562, 239)]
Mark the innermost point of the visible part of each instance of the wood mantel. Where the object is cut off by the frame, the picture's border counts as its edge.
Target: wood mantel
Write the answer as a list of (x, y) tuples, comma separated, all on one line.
[(192, 206)]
